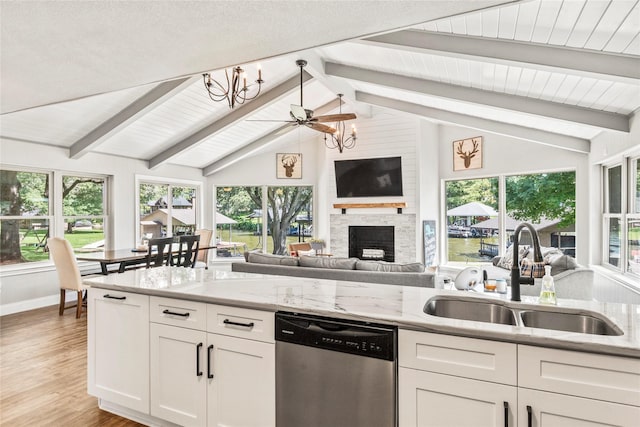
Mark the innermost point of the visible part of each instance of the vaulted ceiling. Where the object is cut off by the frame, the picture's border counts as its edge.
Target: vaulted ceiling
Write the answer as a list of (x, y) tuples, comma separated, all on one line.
[(125, 78)]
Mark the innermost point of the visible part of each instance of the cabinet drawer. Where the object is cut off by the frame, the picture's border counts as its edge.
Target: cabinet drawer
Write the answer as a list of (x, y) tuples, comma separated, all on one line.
[(464, 357), (178, 312), (240, 322), (609, 378)]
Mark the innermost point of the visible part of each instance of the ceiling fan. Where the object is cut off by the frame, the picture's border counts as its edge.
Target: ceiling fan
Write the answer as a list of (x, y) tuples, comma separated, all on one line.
[(302, 117)]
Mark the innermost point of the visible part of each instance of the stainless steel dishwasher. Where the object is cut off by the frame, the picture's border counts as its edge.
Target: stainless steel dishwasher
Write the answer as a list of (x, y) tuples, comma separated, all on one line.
[(334, 372)]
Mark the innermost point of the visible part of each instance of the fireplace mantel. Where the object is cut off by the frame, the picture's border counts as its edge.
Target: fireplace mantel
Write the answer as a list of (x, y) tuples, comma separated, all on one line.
[(345, 206)]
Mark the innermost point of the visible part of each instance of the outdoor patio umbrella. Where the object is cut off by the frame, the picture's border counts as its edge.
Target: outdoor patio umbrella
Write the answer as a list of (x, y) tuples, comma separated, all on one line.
[(472, 209), (223, 219)]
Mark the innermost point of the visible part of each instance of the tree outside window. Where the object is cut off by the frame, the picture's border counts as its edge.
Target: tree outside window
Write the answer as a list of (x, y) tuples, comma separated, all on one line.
[(289, 218)]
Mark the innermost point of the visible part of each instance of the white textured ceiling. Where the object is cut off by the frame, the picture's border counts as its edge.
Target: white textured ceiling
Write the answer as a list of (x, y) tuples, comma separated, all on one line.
[(102, 76)]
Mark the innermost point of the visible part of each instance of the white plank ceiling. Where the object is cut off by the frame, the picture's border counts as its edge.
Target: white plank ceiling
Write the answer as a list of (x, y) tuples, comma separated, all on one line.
[(568, 68)]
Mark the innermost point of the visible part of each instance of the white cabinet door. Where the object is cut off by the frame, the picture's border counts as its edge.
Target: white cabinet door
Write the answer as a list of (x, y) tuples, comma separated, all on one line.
[(118, 350), (544, 409), (242, 390), (178, 374), (430, 399)]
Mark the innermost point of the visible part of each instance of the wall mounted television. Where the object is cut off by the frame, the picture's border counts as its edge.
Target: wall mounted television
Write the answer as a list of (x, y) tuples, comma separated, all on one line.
[(378, 177)]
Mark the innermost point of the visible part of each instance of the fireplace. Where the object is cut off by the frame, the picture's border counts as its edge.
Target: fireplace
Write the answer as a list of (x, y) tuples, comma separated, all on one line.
[(372, 243)]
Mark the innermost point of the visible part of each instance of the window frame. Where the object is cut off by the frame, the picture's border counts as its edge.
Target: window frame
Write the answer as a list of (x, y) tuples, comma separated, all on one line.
[(628, 191), (264, 208), (171, 183), (502, 206), (55, 217)]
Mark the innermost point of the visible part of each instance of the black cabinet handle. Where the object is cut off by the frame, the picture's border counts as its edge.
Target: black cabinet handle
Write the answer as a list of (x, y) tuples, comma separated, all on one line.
[(112, 297), (529, 417), (506, 414), (198, 371), (246, 325), (209, 374), (175, 314)]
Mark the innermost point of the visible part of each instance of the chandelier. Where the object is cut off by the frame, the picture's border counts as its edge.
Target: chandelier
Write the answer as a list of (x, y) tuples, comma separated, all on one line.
[(232, 91), (339, 139)]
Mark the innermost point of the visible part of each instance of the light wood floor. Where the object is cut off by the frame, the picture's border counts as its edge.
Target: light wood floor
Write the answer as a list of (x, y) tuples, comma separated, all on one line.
[(43, 372)]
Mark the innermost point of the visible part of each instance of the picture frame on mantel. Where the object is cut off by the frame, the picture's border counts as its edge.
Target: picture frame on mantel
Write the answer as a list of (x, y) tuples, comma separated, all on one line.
[(467, 154), (289, 166)]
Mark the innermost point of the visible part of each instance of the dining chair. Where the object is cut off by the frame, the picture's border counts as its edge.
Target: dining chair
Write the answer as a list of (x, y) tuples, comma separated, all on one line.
[(203, 254), (188, 251), (68, 273), (160, 252)]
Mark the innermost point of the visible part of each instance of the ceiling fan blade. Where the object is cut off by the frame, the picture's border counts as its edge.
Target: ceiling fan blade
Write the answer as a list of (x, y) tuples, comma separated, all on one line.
[(334, 117), (320, 127), (298, 113)]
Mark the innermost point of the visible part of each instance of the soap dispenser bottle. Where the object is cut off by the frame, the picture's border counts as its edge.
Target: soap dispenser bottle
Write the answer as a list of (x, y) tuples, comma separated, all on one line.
[(548, 290)]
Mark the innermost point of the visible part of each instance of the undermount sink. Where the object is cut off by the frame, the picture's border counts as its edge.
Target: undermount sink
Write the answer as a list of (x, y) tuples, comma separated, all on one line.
[(559, 319), (480, 311), (570, 322)]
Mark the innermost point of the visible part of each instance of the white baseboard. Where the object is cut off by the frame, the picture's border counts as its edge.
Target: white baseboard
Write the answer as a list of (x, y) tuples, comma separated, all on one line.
[(136, 416), (31, 304)]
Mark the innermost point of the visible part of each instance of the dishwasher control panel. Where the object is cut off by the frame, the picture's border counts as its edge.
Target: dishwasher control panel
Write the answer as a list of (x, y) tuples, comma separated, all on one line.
[(360, 338)]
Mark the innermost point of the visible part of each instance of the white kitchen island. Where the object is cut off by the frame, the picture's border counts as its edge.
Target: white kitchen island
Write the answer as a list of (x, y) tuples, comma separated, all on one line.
[(196, 347)]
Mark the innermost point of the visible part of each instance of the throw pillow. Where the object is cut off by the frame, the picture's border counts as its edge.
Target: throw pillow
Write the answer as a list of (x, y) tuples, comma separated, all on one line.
[(507, 260), (259, 258), (328, 262), (563, 263)]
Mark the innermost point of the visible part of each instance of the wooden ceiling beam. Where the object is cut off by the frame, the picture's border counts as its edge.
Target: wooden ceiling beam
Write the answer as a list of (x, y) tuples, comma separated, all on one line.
[(575, 114), (590, 63), (230, 119), (128, 115), (529, 134)]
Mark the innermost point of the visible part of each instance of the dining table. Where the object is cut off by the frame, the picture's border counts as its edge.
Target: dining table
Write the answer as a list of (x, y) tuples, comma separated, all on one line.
[(123, 257)]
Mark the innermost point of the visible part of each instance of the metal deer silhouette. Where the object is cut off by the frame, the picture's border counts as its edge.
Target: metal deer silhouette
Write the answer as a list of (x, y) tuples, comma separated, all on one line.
[(467, 155), (289, 162)]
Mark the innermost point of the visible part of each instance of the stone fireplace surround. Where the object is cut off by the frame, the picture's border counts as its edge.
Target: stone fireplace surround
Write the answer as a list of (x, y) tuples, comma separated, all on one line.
[(405, 232)]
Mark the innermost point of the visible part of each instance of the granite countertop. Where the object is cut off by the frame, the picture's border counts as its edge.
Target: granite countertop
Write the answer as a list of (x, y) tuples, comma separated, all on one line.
[(397, 305)]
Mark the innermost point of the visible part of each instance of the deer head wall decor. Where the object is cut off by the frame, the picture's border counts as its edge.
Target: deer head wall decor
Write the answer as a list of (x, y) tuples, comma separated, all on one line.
[(288, 162), (467, 150)]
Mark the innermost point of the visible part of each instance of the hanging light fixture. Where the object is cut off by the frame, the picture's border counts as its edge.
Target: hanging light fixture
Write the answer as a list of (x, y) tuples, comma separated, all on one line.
[(338, 139), (233, 92)]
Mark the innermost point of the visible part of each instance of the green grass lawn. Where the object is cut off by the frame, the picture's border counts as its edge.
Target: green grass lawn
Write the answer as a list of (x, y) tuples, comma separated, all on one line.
[(32, 250)]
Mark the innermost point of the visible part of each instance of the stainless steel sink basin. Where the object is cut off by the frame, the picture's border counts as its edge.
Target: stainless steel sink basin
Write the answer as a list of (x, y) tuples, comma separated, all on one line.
[(491, 311), (571, 322), (465, 309)]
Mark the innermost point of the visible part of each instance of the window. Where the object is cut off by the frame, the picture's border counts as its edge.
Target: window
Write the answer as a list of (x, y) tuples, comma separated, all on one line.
[(167, 209), (31, 211), (472, 222), (84, 213), (545, 200), (621, 225), (240, 218)]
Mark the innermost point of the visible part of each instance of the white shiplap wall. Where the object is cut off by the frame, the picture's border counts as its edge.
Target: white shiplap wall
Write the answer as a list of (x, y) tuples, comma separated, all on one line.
[(384, 135)]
